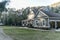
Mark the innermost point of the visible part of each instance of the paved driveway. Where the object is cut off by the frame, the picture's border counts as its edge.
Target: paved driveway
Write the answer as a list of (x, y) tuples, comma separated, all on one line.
[(3, 36)]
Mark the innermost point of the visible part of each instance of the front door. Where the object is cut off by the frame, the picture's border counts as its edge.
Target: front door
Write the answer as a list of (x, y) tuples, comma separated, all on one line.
[(52, 24)]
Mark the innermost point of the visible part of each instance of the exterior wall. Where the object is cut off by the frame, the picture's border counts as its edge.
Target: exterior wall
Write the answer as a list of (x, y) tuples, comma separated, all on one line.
[(36, 23), (27, 23), (43, 23)]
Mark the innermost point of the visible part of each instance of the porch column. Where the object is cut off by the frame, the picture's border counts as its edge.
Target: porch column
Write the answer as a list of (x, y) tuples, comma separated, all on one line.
[(48, 22), (55, 24)]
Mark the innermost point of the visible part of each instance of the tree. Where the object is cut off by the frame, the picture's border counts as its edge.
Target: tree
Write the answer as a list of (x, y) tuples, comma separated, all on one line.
[(25, 13), (3, 6)]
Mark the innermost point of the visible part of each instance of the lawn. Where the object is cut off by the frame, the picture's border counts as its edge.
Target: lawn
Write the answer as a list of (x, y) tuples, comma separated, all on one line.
[(29, 34)]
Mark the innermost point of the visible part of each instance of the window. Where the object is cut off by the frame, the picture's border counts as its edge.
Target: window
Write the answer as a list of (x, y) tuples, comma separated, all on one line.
[(43, 22), (37, 23), (23, 22)]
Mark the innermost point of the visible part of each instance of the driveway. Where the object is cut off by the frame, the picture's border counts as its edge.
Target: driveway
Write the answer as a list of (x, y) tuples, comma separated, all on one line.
[(3, 36)]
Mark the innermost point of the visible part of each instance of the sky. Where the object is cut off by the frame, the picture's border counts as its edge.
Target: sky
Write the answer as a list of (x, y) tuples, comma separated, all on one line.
[(18, 4)]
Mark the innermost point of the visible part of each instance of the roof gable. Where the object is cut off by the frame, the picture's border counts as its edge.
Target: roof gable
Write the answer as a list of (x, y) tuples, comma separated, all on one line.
[(41, 14)]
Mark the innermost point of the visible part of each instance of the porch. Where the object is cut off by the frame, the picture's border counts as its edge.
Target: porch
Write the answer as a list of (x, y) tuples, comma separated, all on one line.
[(55, 24)]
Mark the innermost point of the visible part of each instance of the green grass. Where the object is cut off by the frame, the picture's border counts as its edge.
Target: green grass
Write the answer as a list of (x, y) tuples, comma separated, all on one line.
[(29, 34)]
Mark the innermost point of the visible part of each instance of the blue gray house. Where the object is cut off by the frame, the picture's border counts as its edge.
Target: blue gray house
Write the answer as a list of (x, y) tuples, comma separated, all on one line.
[(43, 19)]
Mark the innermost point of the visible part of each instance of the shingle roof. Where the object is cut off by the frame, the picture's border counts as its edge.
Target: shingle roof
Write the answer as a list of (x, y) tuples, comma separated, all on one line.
[(51, 14), (56, 18)]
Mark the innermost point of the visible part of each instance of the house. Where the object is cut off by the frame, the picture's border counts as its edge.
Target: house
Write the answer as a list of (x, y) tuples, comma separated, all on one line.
[(44, 19)]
